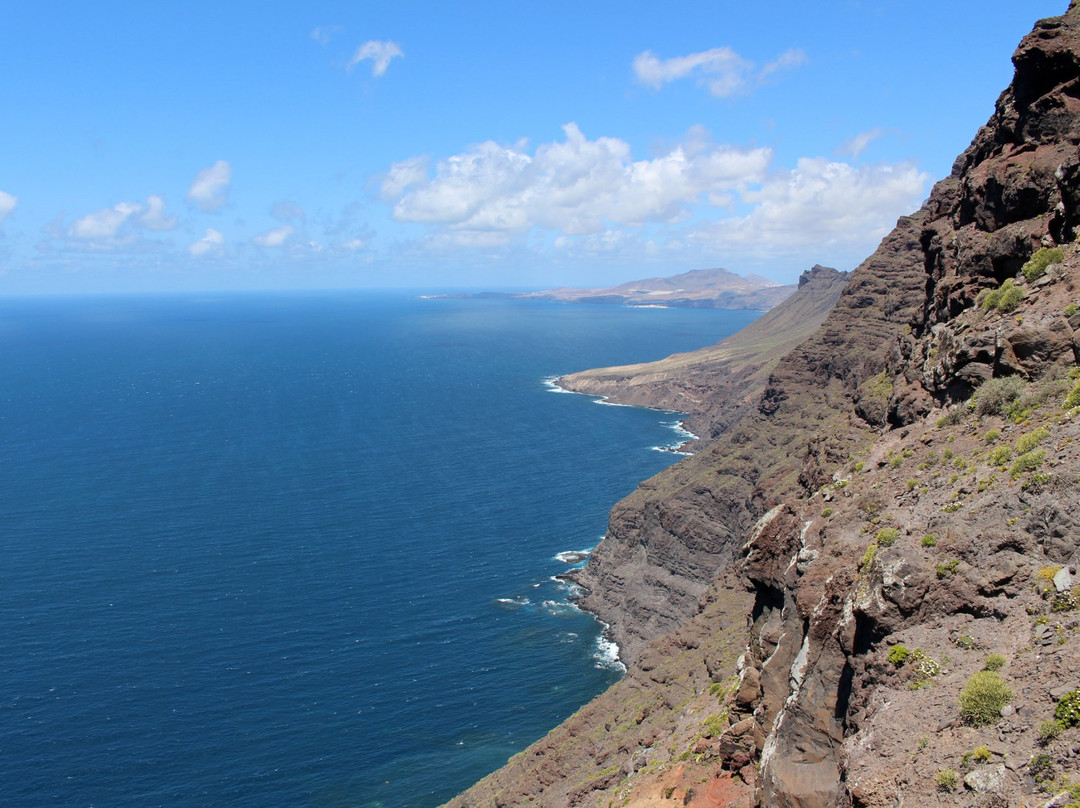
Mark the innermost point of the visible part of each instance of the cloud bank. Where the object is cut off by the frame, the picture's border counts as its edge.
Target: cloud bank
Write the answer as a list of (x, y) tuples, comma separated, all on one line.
[(576, 186), (7, 205)]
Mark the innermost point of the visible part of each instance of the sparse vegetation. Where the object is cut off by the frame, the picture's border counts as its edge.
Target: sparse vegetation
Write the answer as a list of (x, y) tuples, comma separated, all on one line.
[(947, 568), (1025, 443), (1000, 455), (1048, 731), (995, 395), (994, 662), (1029, 461), (1036, 266), (992, 435), (897, 655), (929, 540), (983, 697), (981, 754), (947, 780), (887, 536), (1005, 298), (1071, 310)]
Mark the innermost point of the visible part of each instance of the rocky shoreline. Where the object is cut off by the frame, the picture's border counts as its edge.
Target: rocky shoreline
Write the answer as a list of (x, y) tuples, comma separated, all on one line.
[(859, 591)]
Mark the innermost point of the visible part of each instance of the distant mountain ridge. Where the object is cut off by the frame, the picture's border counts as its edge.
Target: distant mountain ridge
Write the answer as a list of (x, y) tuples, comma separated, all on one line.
[(698, 288)]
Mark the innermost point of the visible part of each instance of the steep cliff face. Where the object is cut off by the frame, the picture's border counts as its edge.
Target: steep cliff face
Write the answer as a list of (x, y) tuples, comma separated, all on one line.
[(908, 480), (716, 385)]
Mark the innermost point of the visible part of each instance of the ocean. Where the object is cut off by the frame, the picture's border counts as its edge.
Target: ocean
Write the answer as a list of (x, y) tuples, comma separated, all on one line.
[(298, 549)]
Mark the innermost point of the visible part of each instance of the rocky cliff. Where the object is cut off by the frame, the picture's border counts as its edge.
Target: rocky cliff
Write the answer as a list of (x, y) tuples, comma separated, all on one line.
[(864, 592), (716, 385)]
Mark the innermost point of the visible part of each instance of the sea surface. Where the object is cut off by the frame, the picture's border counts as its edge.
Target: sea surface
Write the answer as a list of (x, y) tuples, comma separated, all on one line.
[(297, 550)]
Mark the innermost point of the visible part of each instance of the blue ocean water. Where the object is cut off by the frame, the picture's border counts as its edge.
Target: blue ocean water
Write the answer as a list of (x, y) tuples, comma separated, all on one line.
[(265, 550)]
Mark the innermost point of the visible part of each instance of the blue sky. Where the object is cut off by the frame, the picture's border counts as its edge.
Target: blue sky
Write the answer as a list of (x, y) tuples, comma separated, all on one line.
[(242, 145)]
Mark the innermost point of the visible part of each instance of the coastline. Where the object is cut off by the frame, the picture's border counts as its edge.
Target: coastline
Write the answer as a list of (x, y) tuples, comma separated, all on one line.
[(555, 385)]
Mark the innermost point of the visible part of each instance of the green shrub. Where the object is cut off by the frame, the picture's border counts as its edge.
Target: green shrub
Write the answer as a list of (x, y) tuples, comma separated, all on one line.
[(1005, 298), (1036, 266), (1025, 443), (947, 780), (995, 395), (983, 697), (1048, 731), (1071, 309), (994, 662), (981, 753), (946, 568), (1000, 455), (887, 536), (929, 540), (992, 435), (827, 512), (1029, 461), (1073, 398), (965, 641), (897, 655)]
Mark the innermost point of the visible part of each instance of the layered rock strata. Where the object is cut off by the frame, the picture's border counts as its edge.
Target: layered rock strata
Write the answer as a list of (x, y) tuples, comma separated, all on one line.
[(899, 512)]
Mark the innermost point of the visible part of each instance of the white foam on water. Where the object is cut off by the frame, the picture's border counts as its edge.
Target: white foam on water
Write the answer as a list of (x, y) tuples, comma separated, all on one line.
[(606, 655)]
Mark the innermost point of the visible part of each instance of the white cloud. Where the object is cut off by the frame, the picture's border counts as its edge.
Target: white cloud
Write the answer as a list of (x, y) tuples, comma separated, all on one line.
[(324, 33), (380, 54), (857, 145), (103, 225), (7, 204), (213, 243), (210, 189), (575, 186), (818, 205), (154, 217), (721, 70), (275, 237)]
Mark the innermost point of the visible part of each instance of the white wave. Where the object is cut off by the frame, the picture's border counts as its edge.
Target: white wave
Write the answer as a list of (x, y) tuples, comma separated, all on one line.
[(573, 556), (606, 655), (551, 383), (559, 608), (513, 603), (572, 590)]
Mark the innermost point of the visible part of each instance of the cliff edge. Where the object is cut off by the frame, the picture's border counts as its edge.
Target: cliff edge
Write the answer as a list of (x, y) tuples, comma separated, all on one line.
[(866, 591)]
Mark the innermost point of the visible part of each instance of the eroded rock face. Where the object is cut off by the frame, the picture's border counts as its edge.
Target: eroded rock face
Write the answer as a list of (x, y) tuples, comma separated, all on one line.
[(864, 504)]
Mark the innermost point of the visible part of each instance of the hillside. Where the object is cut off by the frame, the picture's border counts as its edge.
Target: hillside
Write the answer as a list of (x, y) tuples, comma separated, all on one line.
[(717, 384), (865, 592)]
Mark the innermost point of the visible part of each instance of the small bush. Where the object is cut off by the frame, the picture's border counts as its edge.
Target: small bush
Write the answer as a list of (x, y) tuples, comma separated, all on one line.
[(947, 780), (994, 662), (946, 568), (983, 697), (827, 512), (951, 418), (1032, 439), (1029, 461), (995, 395), (1048, 731), (887, 536), (1073, 398), (1005, 298), (897, 655), (981, 753), (1036, 266), (1064, 602), (965, 641), (929, 540), (1071, 309), (992, 436)]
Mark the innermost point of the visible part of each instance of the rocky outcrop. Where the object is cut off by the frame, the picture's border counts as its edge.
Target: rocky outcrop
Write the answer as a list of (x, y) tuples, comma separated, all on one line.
[(897, 513)]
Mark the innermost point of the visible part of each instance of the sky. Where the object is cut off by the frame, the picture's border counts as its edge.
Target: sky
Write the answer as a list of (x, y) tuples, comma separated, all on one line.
[(157, 147)]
